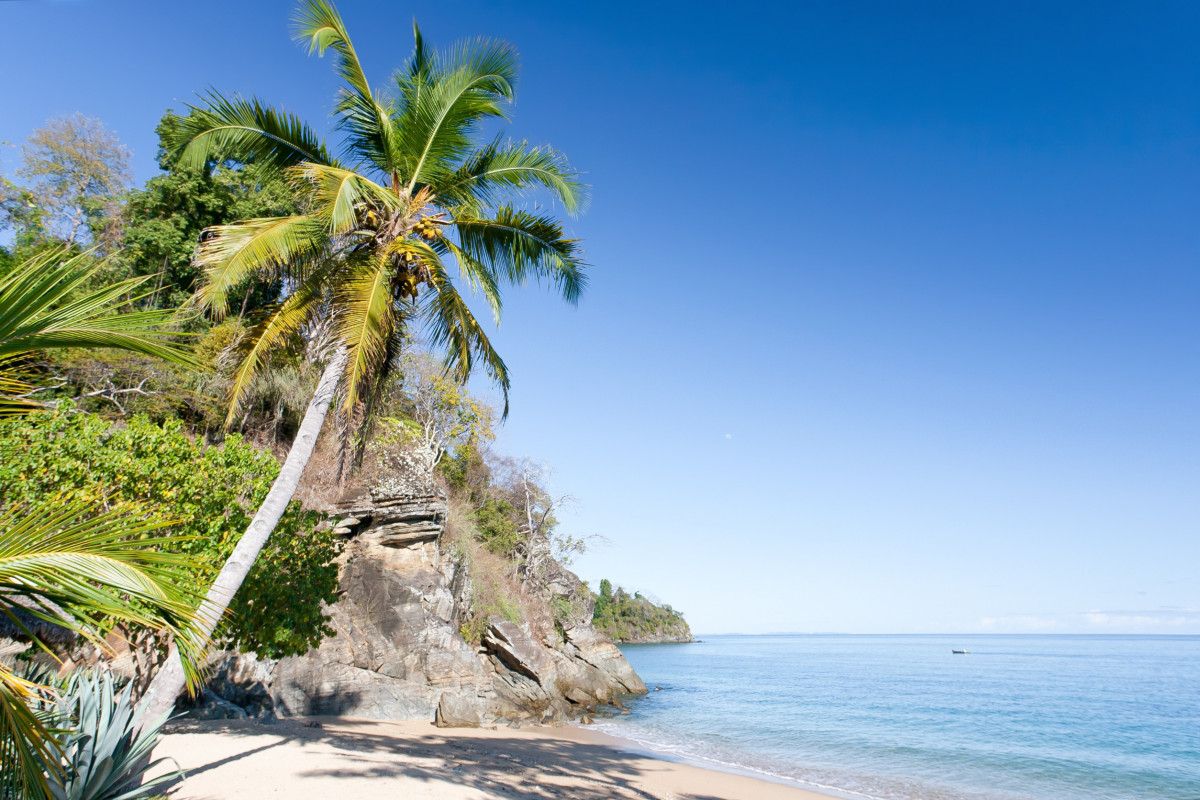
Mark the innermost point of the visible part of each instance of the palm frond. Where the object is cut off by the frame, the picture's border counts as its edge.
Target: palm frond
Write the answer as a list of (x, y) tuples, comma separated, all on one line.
[(439, 112), (281, 323), (364, 115), (525, 245), (37, 313), (368, 323), (480, 277), (244, 130), (499, 170), (80, 567), (263, 247), (66, 564), (27, 745), (338, 193), (451, 325)]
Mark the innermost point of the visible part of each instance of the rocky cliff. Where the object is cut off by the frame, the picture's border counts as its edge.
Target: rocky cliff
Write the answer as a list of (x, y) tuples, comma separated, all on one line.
[(398, 652)]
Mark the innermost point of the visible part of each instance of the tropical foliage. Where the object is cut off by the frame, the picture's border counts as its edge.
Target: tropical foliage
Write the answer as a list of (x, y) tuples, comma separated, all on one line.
[(62, 563), (41, 308), (632, 618), (163, 220), (368, 258), (210, 492), (105, 746), (415, 195)]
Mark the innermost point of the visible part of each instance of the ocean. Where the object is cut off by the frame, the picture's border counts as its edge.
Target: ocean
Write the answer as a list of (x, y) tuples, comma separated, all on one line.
[(902, 718)]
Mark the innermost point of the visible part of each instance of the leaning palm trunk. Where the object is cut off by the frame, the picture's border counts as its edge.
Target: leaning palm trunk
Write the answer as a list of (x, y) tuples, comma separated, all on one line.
[(374, 248), (170, 681)]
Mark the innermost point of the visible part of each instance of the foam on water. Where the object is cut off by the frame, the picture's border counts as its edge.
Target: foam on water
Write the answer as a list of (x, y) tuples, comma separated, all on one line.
[(901, 718)]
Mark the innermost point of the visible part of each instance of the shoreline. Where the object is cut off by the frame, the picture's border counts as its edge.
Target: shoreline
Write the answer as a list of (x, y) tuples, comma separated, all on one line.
[(367, 759), (650, 750)]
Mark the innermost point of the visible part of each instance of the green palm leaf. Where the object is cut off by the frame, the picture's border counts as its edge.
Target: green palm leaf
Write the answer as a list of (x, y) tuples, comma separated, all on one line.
[(67, 565), (369, 320), (366, 117), (499, 170), (244, 130), (439, 116), (38, 312), (452, 327), (525, 245), (281, 324), (264, 248)]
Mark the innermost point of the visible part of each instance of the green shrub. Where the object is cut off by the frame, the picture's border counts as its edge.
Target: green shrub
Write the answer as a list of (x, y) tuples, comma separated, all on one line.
[(212, 491)]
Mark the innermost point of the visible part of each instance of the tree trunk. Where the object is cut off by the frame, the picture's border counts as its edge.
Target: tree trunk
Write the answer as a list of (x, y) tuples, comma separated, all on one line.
[(169, 682)]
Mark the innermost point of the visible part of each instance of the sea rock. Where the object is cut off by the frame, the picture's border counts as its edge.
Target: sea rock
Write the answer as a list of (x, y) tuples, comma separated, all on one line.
[(397, 652)]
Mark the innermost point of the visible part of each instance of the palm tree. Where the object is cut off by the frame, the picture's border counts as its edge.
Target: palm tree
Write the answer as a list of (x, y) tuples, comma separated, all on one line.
[(70, 565), (369, 259), (65, 567)]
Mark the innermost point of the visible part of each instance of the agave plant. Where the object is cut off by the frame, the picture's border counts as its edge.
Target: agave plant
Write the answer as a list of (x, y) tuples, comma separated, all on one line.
[(39, 310), (106, 748), (63, 564), (412, 208)]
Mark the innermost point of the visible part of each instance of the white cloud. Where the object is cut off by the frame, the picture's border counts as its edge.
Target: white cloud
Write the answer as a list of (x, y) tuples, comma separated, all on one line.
[(1164, 619), (1143, 618), (1013, 623), (729, 436)]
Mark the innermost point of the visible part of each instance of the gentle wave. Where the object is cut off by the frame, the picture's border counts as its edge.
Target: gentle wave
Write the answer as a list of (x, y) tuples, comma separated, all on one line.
[(662, 748)]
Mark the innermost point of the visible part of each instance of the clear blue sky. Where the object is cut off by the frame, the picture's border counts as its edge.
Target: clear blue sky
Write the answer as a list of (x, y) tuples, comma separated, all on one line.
[(893, 317)]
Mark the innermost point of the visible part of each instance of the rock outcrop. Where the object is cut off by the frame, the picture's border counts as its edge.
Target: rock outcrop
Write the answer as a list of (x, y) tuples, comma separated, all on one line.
[(633, 619), (398, 654)]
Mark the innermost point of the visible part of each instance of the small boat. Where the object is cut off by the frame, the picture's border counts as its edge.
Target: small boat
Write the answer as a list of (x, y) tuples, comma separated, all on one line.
[(959, 652)]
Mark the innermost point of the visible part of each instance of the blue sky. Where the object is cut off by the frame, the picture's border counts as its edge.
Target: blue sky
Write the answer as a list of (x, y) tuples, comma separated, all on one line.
[(892, 324)]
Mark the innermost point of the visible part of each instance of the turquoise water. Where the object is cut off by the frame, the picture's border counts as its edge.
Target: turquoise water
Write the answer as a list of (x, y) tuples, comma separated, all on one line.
[(901, 718)]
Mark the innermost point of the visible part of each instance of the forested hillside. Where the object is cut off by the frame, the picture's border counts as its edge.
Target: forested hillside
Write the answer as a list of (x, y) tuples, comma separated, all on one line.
[(633, 619)]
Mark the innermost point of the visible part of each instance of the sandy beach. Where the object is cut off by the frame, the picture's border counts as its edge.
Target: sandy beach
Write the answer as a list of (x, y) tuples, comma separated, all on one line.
[(366, 760)]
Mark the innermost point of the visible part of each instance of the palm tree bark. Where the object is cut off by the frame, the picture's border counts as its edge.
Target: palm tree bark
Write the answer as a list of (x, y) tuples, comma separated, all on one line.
[(170, 681)]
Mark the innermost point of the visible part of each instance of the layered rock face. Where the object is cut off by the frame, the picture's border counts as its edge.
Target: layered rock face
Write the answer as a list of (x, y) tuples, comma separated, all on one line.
[(397, 653)]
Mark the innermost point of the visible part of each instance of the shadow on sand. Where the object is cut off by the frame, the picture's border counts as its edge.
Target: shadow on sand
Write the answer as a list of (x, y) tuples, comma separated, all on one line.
[(502, 766)]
